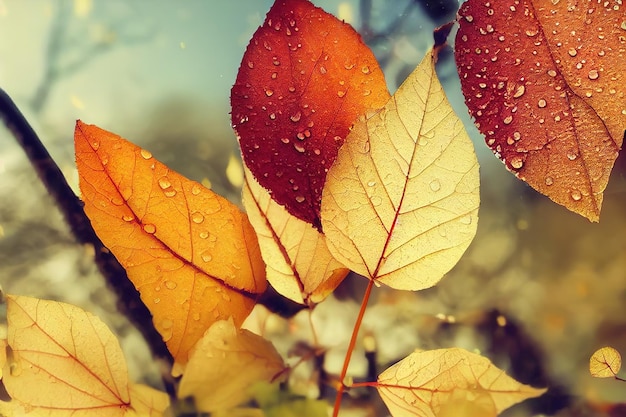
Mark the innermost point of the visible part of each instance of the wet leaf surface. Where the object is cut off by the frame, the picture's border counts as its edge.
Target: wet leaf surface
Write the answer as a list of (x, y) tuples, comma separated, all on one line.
[(546, 84), (304, 79), (401, 202), (192, 254)]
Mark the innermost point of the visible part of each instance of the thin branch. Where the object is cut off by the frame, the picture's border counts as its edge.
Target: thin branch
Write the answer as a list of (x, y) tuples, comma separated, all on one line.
[(129, 302)]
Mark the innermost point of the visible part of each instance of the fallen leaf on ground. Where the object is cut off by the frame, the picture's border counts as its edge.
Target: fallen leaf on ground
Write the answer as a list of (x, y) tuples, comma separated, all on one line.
[(225, 363), (299, 265), (304, 79), (605, 363), (432, 383), (192, 254), (546, 83), (66, 362), (400, 204)]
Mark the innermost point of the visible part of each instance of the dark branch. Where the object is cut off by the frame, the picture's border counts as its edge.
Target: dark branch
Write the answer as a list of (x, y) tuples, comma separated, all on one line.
[(129, 302)]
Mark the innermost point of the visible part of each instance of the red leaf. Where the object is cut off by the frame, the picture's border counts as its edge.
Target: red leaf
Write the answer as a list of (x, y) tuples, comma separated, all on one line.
[(545, 82), (304, 79)]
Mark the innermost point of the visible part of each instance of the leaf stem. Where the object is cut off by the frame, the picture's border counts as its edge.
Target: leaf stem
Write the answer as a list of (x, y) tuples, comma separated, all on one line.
[(355, 333)]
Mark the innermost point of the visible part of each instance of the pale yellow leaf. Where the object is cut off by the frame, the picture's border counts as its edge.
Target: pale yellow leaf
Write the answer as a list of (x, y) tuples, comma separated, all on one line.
[(146, 402), (225, 363), (299, 264), (432, 383), (400, 204), (605, 363), (64, 361), (3, 355)]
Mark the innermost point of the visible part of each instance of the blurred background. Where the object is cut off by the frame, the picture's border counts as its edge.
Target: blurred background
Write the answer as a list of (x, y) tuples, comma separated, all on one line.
[(537, 292)]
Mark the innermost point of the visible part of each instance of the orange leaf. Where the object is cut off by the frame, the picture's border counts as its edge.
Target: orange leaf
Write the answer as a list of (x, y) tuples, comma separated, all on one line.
[(192, 255), (605, 363), (299, 264), (304, 79), (225, 363), (66, 362), (436, 382), (546, 83), (400, 204)]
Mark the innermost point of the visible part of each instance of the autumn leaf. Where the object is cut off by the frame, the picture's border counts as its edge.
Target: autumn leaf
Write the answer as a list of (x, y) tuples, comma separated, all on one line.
[(428, 383), (546, 84), (192, 255), (605, 363), (400, 203), (66, 362), (225, 363), (304, 79), (299, 265)]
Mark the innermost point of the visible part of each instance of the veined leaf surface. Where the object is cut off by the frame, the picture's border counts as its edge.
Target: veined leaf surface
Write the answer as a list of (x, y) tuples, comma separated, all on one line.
[(400, 203), (192, 254)]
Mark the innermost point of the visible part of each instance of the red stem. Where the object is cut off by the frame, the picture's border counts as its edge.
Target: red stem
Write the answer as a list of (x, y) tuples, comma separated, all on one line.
[(355, 333)]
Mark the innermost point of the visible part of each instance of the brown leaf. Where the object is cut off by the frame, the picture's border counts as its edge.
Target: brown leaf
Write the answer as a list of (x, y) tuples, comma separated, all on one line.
[(546, 83), (304, 79), (225, 363), (605, 363), (192, 254), (433, 383), (400, 204), (299, 265), (66, 362)]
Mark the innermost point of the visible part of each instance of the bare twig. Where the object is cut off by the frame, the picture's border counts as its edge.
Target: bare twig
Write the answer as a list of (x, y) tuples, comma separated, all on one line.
[(129, 302)]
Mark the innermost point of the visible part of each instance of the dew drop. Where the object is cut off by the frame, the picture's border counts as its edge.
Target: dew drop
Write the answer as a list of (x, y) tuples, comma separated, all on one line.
[(196, 316), (95, 145), (170, 285), (341, 93), (469, 18), (572, 52), (542, 103), (552, 73), (206, 256), (571, 156), (517, 136), (127, 218), (164, 183), (170, 192), (365, 69), (517, 162), (322, 69), (250, 64), (195, 189), (197, 217), (593, 75), (298, 147), (371, 183), (519, 91), (269, 92), (300, 199), (435, 185), (284, 140), (296, 117), (576, 196), (549, 181), (157, 300), (272, 116), (507, 120), (145, 154), (149, 228)]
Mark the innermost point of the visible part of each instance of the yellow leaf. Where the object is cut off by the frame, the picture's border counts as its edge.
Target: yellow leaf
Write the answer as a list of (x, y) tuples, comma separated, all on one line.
[(146, 401), (605, 363), (234, 171), (400, 203), (432, 383), (64, 362), (3, 355), (299, 265), (225, 363)]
